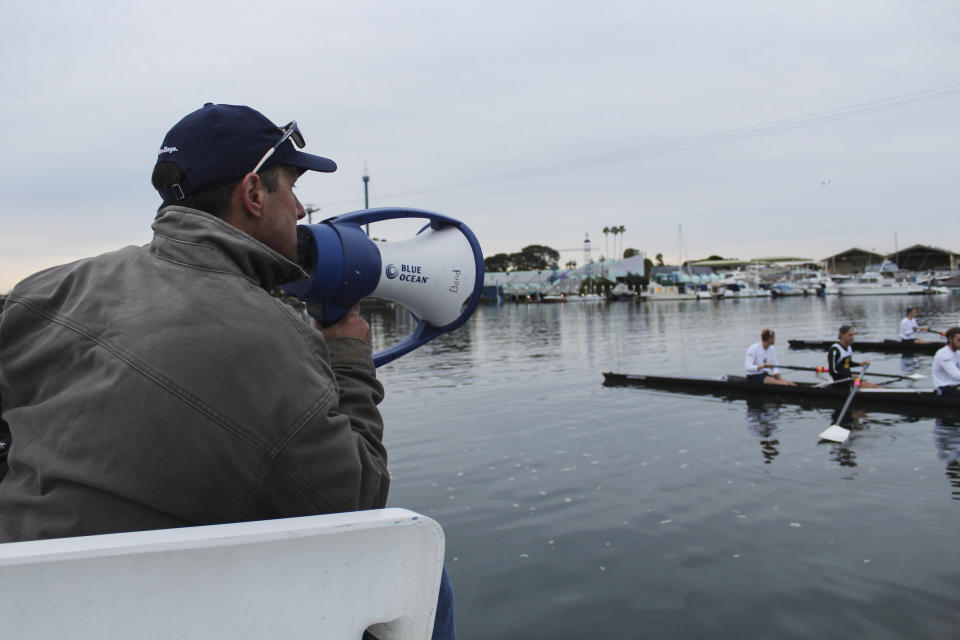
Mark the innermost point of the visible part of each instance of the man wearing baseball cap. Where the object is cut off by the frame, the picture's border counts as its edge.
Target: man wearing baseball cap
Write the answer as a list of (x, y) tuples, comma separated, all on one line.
[(164, 386)]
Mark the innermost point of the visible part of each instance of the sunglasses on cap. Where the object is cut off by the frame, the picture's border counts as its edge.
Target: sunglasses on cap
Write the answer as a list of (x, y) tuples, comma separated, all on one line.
[(290, 131)]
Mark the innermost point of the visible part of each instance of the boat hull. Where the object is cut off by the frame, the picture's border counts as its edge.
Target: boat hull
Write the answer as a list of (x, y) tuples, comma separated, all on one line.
[(884, 346), (803, 392)]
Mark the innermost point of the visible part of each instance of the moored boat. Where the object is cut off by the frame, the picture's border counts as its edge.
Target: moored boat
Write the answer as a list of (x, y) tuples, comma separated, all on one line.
[(879, 284), (733, 288), (786, 290), (802, 392), (881, 346), (674, 292), (621, 292)]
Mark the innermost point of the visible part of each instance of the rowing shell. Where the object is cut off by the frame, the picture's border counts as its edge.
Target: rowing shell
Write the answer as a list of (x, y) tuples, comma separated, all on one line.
[(738, 386), (884, 346)]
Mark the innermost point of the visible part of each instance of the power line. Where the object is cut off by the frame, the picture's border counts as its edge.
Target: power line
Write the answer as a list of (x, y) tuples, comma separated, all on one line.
[(695, 142)]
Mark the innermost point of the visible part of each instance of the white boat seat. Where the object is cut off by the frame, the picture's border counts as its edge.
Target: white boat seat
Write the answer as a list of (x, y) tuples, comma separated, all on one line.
[(329, 576)]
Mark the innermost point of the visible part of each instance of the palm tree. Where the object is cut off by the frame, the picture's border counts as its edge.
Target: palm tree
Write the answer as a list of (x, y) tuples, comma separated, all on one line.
[(621, 229), (606, 232)]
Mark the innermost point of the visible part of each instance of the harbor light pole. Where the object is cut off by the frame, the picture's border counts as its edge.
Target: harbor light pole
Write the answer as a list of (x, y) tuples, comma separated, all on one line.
[(366, 194)]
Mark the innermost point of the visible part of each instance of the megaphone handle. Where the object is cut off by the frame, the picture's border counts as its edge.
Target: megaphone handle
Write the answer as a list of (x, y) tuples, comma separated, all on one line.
[(423, 332), (326, 313)]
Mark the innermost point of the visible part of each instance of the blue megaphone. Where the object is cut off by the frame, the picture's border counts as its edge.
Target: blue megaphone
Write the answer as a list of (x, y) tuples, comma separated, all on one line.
[(437, 274)]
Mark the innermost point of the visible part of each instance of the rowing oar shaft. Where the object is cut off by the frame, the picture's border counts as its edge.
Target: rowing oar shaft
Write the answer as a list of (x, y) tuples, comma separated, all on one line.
[(939, 333), (827, 370), (817, 369), (836, 433)]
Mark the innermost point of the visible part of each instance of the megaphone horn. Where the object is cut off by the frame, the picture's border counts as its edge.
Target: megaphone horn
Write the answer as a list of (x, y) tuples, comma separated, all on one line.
[(437, 274)]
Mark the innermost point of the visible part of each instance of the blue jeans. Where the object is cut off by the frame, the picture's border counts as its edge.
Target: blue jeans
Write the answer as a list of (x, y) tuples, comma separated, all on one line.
[(443, 624)]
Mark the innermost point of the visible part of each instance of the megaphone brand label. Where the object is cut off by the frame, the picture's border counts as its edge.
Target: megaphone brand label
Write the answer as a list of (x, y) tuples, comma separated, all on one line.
[(456, 281), (406, 273)]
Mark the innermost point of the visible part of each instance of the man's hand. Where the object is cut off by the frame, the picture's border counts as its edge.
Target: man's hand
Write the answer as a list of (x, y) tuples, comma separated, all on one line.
[(349, 326)]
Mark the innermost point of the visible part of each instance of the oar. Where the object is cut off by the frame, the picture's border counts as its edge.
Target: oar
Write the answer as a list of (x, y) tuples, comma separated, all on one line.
[(911, 376), (836, 433), (939, 333)]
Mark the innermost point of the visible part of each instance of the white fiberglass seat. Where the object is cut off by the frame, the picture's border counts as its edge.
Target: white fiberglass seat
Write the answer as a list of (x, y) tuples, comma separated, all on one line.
[(329, 576)]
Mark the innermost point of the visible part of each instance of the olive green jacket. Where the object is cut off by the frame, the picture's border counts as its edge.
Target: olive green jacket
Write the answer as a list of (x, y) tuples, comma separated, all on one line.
[(163, 386)]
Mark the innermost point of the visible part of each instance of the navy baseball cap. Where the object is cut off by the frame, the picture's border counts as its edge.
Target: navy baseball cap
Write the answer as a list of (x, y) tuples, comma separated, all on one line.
[(220, 143)]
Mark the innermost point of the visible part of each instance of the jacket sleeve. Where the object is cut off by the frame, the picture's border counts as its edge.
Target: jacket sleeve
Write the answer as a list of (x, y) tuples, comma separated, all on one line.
[(360, 393), (4, 447), (333, 460)]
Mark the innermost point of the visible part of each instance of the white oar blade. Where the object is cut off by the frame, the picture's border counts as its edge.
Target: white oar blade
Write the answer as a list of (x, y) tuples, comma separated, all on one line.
[(835, 433)]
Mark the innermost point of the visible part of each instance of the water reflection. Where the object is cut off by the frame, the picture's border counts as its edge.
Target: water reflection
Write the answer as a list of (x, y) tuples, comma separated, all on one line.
[(946, 436), (390, 323), (855, 420), (908, 364), (558, 496), (844, 455), (762, 423)]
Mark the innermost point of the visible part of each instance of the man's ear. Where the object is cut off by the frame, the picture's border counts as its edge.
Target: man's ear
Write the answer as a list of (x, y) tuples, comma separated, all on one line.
[(250, 193)]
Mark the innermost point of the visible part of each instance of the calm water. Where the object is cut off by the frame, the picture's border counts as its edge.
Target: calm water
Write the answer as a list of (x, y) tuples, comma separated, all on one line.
[(572, 509)]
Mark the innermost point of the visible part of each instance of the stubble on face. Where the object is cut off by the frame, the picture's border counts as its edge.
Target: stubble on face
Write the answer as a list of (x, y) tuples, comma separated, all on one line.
[(282, 212)]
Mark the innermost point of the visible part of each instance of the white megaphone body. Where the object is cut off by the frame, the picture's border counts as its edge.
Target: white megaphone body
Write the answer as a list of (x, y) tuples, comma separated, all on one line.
[(437, 274)]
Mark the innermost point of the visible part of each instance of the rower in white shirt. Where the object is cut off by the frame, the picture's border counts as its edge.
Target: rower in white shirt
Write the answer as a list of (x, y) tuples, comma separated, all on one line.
[(909, 328), (761, 361), (946, 364)]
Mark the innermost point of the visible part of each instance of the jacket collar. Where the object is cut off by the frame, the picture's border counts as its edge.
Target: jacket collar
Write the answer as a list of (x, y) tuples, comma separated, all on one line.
[(204, 241)]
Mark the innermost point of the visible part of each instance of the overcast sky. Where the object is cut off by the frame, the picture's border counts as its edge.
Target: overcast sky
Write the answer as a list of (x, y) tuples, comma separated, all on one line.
[(762, 128)]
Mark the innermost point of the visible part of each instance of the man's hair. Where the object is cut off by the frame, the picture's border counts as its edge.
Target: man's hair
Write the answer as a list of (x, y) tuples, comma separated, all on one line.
[(766, 334), (214, 201), (843, 329), (952, 331)]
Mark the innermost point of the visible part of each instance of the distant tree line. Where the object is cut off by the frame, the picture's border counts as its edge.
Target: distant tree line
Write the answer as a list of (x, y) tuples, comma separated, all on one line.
[(534, 257)]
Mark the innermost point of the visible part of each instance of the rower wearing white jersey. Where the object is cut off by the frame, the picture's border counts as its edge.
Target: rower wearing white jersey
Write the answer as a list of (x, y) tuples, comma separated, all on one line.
[(946, 364), (840, 358), (761, 361), (909, 328)]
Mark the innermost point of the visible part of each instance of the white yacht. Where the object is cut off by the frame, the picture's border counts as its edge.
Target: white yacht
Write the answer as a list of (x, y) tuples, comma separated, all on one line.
[(879, 284), (733, 287), (817, 283)]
